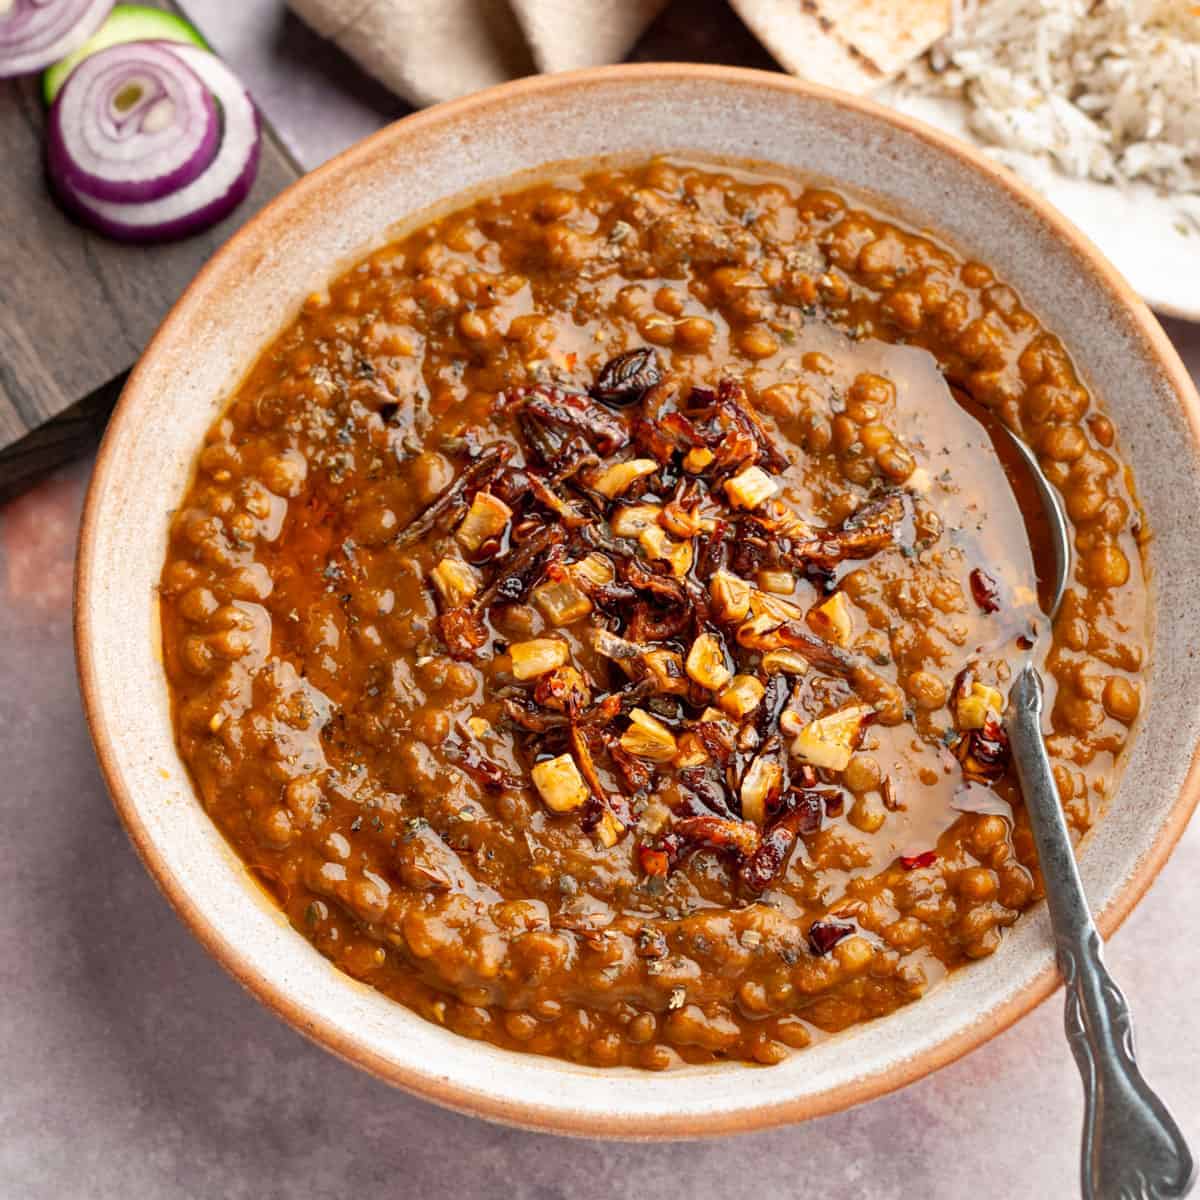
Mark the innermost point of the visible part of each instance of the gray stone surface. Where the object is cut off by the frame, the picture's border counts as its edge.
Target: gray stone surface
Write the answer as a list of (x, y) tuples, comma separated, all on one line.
[(132, 1066)]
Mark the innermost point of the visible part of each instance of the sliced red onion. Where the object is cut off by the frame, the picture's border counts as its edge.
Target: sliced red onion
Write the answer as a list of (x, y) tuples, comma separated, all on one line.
[(133, 122), (36, 33), (209, 197)]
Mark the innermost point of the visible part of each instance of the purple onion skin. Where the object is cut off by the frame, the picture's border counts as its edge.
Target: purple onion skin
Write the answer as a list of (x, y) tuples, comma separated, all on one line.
[(91, 17), (63, 167), (170, 231)]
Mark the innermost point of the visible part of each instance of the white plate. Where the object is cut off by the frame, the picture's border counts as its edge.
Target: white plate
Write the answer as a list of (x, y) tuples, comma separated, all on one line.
[(1142, 232)]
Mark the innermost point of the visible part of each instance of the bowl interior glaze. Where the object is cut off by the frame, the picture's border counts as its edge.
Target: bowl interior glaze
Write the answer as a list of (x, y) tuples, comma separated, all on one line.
[(331, 218)]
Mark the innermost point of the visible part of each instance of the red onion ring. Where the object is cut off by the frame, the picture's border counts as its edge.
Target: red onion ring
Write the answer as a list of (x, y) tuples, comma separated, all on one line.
[(212, 195), (133, 122), (36, 33)]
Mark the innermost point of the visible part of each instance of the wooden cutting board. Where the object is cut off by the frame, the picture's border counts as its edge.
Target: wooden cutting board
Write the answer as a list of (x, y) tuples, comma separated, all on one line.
[(76, 309)]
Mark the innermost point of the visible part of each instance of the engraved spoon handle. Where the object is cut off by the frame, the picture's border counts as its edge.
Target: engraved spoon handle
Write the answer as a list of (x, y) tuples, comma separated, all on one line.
[(1132, 1148)]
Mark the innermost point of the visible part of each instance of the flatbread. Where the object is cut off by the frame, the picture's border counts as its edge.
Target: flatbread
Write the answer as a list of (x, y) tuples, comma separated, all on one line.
[(855, 45)]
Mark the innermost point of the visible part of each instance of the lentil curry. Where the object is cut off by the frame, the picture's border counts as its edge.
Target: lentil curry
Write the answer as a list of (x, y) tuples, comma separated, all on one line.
[(591, 618)]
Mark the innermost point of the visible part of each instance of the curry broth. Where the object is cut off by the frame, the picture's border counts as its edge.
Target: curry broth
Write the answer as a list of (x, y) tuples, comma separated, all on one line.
[(461, 783)]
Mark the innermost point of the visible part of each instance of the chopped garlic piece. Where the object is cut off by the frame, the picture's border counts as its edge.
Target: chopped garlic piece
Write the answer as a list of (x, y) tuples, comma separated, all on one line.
[(691, 752), (730, 596), (764, 776), (455, 581), (763, 603), (658, 545), (781, 583), (648, 737), (706, 663), (785, 662), (742, 696), (630, 519), (666, 667), (561, 602), (832, 620), (829, 741), (621, 476), (759, 632), (608, 831), (560, 784), (487, 517), (749, 488), (595, 568), (537, 657), (791, 722)]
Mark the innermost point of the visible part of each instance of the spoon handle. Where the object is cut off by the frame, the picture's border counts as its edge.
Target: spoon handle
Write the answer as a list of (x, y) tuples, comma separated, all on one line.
[(1132, 1148)]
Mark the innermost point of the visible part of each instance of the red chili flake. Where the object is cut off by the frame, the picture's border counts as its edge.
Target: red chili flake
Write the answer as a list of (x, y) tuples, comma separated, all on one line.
[(984, 753), (913, 862), (654, 862), (766, 864), (985, 591), (562, 690), (824, 935), (572, 359), (808, 811)]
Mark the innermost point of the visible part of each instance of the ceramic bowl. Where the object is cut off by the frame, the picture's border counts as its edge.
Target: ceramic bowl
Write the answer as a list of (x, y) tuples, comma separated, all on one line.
[(327, 221)]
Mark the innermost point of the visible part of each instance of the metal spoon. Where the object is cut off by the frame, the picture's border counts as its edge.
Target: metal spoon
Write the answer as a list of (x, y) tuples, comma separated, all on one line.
[(1132, 1147)]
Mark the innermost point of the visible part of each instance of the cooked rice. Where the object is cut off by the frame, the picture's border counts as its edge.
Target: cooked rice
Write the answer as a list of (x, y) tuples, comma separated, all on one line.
[(1107, 89)]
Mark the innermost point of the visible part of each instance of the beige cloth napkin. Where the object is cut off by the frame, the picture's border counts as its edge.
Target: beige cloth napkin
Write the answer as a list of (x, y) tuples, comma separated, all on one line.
[(432, 50)]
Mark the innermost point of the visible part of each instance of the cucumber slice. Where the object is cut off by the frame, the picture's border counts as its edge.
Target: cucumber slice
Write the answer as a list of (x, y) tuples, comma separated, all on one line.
[(126, 23)]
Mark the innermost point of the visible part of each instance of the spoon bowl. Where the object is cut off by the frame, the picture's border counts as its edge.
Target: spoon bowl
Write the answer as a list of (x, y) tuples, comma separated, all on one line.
[(1039, 501)]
